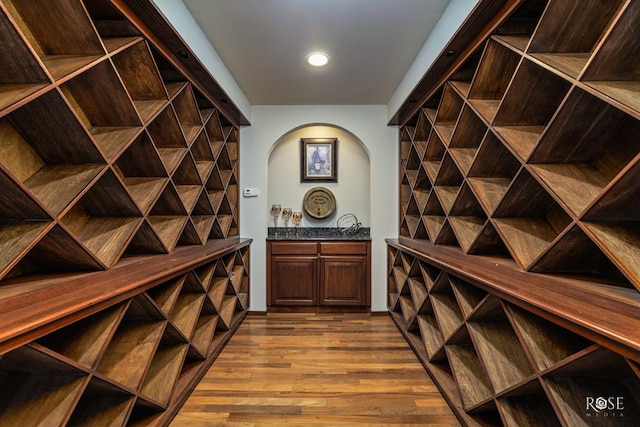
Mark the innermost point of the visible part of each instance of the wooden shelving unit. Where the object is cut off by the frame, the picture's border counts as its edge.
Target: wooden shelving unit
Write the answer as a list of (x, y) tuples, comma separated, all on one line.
[(523, 157), (121, 272), (496, 362), (518, 156), (134, 355)]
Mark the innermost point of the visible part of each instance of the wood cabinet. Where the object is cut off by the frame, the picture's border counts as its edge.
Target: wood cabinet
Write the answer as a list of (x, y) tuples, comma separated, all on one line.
[(293, 278), (519, 215), (121, 272), (319, 274)]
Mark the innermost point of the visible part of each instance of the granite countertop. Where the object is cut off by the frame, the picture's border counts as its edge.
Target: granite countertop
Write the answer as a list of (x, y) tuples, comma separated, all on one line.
[(316, 233)]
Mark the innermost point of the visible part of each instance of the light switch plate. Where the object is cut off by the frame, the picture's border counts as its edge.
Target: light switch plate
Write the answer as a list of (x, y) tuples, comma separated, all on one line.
[(251, 192)]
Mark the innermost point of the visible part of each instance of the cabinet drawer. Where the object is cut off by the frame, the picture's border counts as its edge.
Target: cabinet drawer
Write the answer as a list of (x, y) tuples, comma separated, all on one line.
[(294, 248), (343, 248)]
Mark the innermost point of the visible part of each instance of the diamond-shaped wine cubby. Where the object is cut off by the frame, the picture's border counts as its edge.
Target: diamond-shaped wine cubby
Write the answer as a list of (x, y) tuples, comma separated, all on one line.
[(149, 94), (143, 182), (186, 109), (528, 219), (103, 107), (492, 78), (168, 139), (448, 112), (62, 51), (16, 55), (609, 72), (24, 222), (54, 158), (531, 100), (104, 219)]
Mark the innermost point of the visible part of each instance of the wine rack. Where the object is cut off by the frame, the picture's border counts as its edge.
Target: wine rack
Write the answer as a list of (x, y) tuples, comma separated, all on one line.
[(107, 147), (121, 271), (496, 362), (133, 362), (523, 159)]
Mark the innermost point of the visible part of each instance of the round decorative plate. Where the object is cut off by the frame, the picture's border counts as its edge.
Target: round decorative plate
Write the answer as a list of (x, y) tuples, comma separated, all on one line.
[(319, 202)]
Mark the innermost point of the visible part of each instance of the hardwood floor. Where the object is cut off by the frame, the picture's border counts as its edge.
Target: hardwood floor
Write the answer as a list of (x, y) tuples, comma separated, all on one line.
[(316, 369)]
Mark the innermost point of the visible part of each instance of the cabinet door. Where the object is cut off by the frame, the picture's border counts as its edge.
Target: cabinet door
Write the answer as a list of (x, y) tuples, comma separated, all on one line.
[(344, 280), (294, 280)]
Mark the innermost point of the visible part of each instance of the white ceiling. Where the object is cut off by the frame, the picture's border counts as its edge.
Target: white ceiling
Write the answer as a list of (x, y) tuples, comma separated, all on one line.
[(264, 44)]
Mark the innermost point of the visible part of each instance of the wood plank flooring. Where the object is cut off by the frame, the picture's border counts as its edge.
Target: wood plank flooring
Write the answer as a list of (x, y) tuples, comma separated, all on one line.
[(316, 369)]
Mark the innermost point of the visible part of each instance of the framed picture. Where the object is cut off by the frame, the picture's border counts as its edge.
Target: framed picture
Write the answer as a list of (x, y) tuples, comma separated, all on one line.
[(318, 160)]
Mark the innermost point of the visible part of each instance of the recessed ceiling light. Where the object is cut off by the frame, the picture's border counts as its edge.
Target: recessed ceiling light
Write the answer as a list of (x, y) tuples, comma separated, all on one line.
[(318, 59)]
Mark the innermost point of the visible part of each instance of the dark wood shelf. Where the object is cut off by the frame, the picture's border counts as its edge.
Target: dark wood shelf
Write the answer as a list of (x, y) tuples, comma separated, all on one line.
[(104, 167), (496, 349), (526, 199)]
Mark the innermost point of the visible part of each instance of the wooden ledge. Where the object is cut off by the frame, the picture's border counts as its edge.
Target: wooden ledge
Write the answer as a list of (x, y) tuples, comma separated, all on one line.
[(607, 315), (54, 302)]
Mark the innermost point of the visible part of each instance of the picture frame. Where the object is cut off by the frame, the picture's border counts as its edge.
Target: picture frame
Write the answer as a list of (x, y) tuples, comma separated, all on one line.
[(318, 159)]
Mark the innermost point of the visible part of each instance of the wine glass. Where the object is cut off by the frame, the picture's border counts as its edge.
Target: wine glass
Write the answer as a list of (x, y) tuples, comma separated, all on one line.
[(296, 217), (275, 213), (286, 215)]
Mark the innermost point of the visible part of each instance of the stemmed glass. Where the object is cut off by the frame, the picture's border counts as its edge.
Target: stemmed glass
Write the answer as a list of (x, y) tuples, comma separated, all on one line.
[(297, 217), (286, 215), (275, 213)]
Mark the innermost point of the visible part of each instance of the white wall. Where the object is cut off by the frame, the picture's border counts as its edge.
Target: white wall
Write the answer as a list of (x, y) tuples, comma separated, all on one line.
[(366, 123), (351, 191), (453, 16)]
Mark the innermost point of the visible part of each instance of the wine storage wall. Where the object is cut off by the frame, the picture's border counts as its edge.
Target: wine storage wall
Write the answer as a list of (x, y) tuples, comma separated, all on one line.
[(531, 150), (107, 150), (526, 161), (121, 271), (133, 362), (499, 364)]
